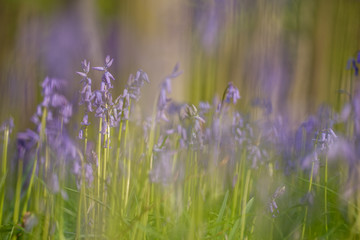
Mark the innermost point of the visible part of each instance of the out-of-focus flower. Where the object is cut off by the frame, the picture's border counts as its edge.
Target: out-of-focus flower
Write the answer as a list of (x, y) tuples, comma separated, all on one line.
[(351, 64), (256, 155), (232, 93), (162, 171), (304, 136), (273, 208), (7, 124), (135, 82), (107, 76), (264, 104), (66, 112), (324, 138), (165, 89), (85, 121), (307, 162)]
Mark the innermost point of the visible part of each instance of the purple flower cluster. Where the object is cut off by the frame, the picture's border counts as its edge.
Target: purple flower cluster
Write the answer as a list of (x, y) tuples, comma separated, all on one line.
[(58, 107), (7, 124), (165, 89), (353, 64), (231, 94), (111, 112), (50, 118)]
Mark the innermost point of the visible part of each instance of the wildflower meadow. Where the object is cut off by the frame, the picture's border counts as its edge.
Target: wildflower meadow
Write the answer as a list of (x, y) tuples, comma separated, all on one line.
[(91, 160)]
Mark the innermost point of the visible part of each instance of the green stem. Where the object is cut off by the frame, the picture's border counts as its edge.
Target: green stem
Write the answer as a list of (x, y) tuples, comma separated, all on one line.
[(325, 196), (3, 172), (31, 182), (81, 204), (99, 176), (243, 212), (114, 182), (306, 209), (18, 192)]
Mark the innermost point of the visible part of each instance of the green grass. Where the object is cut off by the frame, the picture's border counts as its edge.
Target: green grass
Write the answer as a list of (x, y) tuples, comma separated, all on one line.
[(208, 192)]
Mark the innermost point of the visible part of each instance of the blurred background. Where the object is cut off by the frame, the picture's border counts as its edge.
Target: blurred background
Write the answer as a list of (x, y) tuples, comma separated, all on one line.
[(290, 52)]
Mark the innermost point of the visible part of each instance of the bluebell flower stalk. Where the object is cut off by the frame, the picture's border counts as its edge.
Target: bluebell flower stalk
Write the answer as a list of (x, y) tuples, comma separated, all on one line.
[(6, 128)]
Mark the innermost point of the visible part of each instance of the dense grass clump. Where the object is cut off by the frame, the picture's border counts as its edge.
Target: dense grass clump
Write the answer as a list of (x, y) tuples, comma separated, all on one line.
[(206, 171)]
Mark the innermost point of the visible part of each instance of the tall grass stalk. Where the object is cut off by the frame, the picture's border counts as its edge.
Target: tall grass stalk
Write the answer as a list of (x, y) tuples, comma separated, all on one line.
[(244, 202), (326, 196), (308, 195), (18, 191), (35, 163), (99, 177), (3, 172)]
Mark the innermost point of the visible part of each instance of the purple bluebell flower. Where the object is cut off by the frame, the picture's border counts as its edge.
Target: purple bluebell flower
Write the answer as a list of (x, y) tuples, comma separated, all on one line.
[(342, 148), (264, 104), (58, 100), (257, 155), (273, 208), (56, 103), (135, 83), (183, 136), (66, 112), (35, 119), (104, 127), (77, 168), (324, 138), (345, 112), (49, 116), (25, 141), (81, 134), (28, 135), (98, 98), (165, 89), (51, 84), (100, 112), (85, 121), (107, 76), (304, 135), (204, 107), (351, 64), (89, 176), (197, 124), (232, 94), (7, 124)]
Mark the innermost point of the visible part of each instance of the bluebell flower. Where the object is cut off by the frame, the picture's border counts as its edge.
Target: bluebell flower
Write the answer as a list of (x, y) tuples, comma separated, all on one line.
[(273, 208), (107, 76), (81, 134), (66, 112), (97, 96), (204, 107), (58, 100), (265, 104), (165, 89), (7, 124), (232, 94), (351, 64), (85, 121), (135, 83)]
